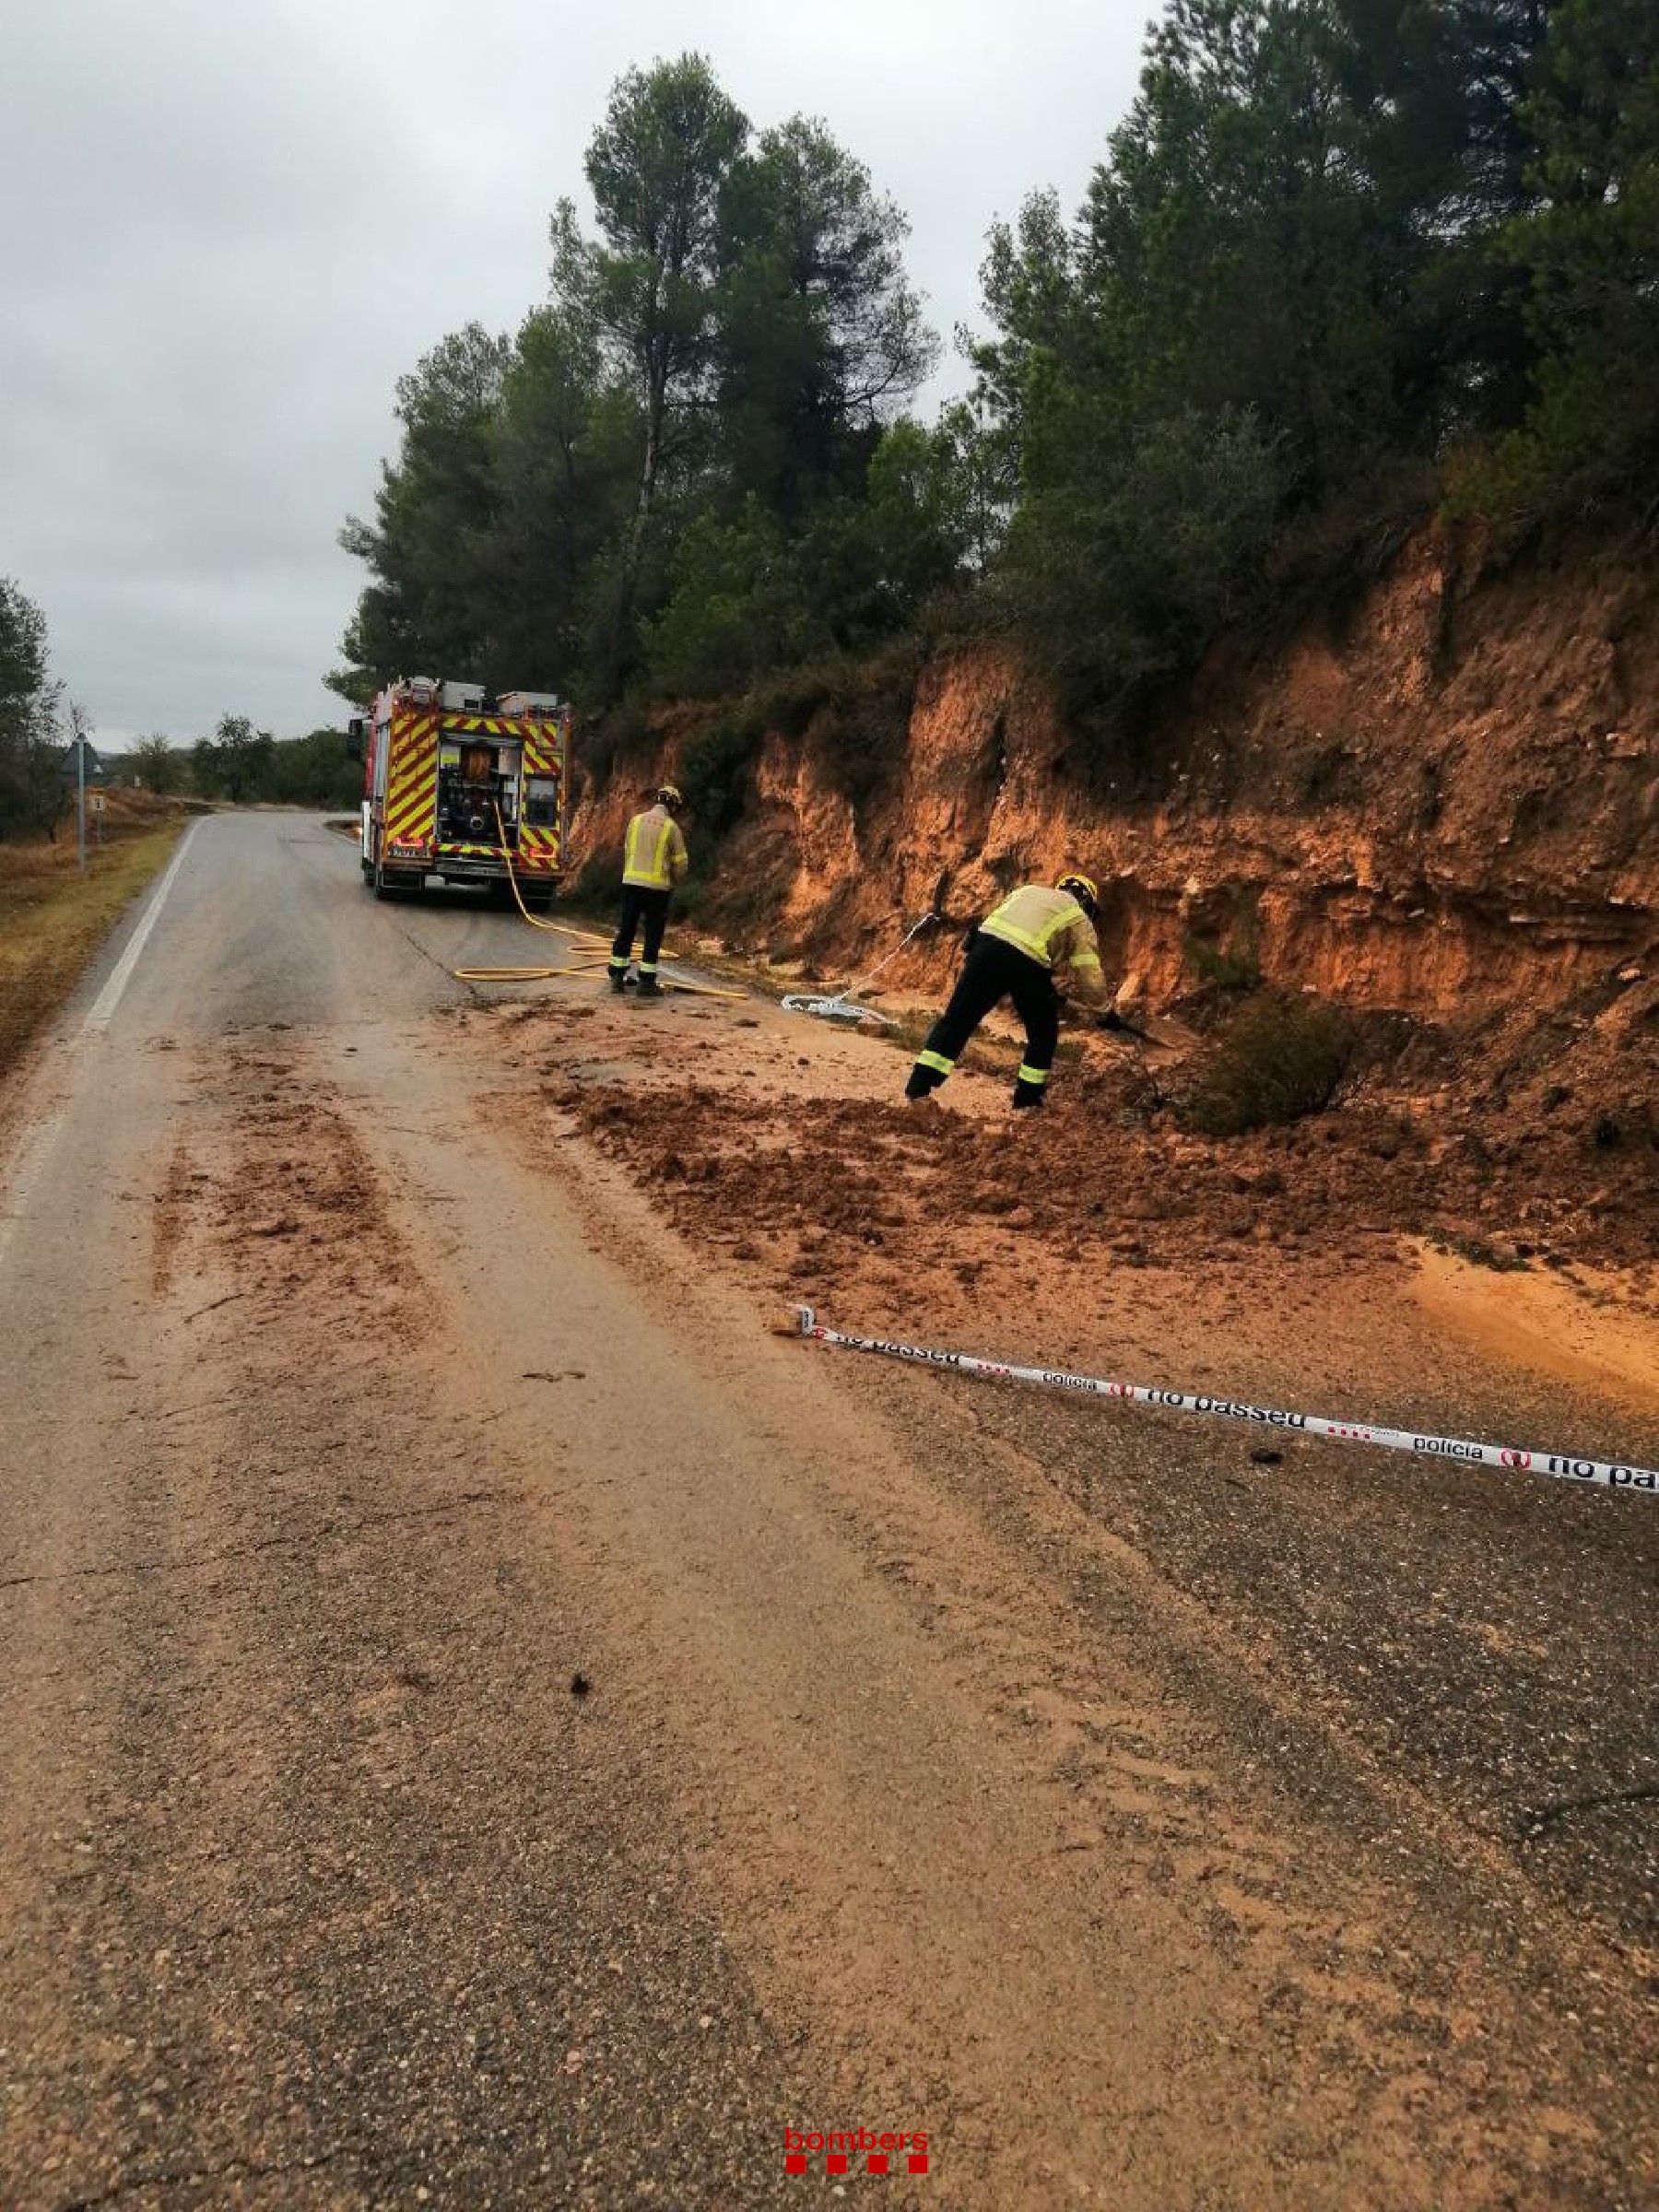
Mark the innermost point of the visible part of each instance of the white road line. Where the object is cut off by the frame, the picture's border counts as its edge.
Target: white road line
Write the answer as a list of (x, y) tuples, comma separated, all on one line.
[(109, 998), (31, 1159)]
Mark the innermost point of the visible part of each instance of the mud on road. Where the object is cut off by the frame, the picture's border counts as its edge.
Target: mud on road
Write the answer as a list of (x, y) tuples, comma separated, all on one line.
[(1486, 1637), (1147, 1825), (1483, 1640), (329, 1904), (1339, 1669)]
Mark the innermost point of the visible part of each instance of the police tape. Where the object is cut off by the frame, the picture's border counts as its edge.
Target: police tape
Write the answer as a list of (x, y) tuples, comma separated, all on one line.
[(1588, 1472)]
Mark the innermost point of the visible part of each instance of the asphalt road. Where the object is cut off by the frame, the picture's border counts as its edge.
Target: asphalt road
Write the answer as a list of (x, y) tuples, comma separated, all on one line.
[(486, 1725), (269, 1936)]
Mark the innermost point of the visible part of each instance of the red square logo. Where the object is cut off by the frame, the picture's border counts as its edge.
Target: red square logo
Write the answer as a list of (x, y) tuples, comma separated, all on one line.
[(795, 2163), (918, 2161), (836, 2163), (877, 2161)]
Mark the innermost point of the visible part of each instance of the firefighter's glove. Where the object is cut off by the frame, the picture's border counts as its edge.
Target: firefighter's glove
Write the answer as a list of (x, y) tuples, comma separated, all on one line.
[(1111, 1020)]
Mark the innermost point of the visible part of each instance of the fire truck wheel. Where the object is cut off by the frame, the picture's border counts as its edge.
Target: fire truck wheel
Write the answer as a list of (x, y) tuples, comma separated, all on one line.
[(388, 886)]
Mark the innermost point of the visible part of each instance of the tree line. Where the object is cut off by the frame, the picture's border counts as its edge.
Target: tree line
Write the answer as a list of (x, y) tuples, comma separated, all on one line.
[(1344, 263), (690, 462), (34, 730), (238, 762), (251, 767)]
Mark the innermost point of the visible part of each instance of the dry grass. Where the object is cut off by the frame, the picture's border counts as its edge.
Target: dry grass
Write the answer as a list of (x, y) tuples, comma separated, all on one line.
[(53, 918)]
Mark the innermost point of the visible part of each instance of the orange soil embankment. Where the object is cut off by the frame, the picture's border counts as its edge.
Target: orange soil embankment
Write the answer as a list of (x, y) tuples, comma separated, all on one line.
[(1445, 818), (1450, 810)]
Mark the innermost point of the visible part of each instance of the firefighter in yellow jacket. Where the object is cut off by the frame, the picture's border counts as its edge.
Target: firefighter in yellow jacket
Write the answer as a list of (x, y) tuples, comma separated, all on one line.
[(1014, 953), (653, 861)]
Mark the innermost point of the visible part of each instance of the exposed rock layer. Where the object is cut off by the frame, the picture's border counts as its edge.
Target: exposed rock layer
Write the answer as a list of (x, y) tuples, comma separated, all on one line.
[(1450, 807)]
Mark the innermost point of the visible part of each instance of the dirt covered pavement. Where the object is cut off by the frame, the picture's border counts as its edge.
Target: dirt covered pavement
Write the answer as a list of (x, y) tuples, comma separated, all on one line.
[(1482, 1642), (491, 1724)]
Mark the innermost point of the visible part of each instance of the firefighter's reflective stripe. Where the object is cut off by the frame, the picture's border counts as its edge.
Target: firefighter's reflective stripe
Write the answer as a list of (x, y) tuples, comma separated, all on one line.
[(646, 860), (655, 856), (1049, 926), (1035, 920), (937, 1061), (1028, 1074)]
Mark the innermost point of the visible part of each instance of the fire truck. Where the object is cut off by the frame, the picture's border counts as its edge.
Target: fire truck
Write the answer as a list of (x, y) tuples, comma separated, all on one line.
[(466, 786)]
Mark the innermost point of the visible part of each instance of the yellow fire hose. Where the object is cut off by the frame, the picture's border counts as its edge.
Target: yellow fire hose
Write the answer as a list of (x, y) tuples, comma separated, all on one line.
[(512, 975), (590, 961)]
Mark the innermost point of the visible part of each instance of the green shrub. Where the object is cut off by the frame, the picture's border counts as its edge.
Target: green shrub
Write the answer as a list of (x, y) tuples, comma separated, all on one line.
[(1275, 1059), (716, 769), (788, 702), (1128, 555), (861, 729), (1233, 968)]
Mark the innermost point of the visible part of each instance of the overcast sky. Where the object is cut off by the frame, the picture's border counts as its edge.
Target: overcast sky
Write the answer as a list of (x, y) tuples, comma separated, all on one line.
[(228, 226)]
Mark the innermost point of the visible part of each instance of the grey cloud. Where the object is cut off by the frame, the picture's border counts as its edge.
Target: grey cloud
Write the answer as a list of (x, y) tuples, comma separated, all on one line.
[(225, 232)]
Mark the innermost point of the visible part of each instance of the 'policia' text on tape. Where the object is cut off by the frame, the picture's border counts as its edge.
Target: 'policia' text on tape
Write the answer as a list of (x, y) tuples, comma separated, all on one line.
[(1588, 1472)]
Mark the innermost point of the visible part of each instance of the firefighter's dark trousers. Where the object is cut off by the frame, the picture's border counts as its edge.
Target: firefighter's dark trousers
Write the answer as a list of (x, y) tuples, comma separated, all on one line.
[(992, 972), (639, 904)]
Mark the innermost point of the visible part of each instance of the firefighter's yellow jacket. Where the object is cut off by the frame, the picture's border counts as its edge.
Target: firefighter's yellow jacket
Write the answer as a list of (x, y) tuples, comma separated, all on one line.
[(1051, 928), (655, 856)]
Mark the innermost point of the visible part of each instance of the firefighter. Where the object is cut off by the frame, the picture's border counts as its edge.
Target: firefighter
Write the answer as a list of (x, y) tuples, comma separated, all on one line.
[(653, 861), (1013, 953)]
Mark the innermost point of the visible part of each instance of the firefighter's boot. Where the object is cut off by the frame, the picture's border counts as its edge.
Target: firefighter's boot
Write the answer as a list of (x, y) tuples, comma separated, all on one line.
[(618, 977), (1031, 1087), (650, 987)]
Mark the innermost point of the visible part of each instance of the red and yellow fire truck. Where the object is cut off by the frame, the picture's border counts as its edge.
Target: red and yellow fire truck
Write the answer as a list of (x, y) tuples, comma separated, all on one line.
[(443, 765)]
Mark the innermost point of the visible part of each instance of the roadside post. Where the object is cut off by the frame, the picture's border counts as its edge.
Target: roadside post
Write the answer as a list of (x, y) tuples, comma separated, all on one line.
[(80, 765)]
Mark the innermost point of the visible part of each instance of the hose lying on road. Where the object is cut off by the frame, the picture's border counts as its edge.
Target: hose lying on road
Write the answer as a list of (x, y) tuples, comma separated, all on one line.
[(512, 974), (1564, 1468), (588, 962)]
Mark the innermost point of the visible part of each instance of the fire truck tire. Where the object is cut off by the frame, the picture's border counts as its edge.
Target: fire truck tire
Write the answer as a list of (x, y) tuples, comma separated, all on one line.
[(388, 886)]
